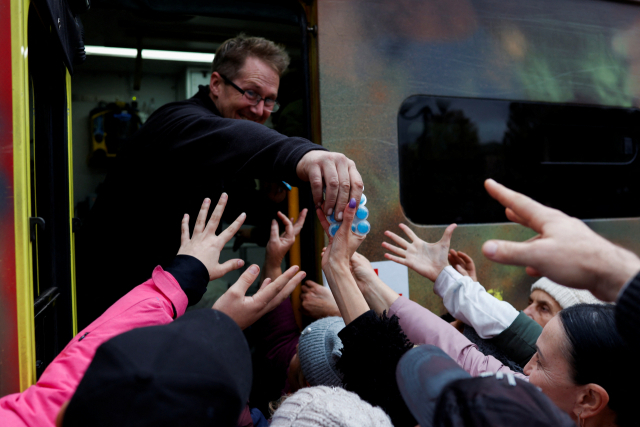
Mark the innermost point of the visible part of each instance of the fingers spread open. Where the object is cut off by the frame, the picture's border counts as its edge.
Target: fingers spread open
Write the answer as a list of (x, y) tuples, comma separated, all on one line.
[(448, 232), (285, 220), (202, 217), (267, 293), (300, 222), (214, 221), (246, 279), (275, 230), (184, 230), (286, 290), (409, 232), (395, 250), (228, 266), (397, 239), (396, 259), (231, 230)]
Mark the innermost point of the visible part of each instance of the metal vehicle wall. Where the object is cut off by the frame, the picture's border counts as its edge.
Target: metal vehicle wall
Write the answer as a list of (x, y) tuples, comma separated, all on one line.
[(374, 55)]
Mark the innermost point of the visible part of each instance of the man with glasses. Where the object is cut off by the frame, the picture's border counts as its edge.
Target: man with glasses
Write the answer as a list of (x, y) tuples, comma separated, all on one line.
[(193, 149)]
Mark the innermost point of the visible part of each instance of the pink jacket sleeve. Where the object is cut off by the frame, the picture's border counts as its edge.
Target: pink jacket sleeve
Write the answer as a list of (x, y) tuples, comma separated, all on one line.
[(423, 327), (151, 303)]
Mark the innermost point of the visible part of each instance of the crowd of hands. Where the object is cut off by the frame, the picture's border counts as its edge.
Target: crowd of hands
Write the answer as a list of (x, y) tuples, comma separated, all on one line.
[(565, 250)]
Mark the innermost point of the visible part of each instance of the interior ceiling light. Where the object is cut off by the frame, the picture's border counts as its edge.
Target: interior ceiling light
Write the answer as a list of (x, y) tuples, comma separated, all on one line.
[(163, 55)]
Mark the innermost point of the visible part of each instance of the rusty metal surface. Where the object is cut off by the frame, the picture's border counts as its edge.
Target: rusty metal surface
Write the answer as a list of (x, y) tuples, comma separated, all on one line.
[(373, 55)]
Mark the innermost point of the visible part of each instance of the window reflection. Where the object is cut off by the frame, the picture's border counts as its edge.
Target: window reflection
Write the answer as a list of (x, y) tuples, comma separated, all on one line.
[(580, 159)]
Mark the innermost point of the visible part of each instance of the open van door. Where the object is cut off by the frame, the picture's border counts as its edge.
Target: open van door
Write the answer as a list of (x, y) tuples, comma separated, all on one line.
[(37, 296)]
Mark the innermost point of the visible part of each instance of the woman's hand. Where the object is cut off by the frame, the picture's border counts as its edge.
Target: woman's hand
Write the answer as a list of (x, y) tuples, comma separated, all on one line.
[(335, 265), (204, 244), (427, 259), (345, 243), (279, 244), (463, 263)]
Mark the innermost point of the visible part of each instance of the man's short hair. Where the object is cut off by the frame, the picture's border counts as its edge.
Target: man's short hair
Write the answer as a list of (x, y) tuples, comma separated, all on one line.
[(231, 55)]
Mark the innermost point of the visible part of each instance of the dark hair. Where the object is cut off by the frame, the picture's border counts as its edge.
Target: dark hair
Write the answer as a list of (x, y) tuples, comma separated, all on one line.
[(231, 55), (598, 355), (373, 346)]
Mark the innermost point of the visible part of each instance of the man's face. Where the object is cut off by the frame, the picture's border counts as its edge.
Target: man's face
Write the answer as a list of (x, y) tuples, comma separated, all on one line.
[(541, 307), (255, 75)]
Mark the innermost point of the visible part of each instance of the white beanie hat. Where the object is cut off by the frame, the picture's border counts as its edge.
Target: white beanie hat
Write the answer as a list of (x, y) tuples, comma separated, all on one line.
[(566, 297), (328, 406)]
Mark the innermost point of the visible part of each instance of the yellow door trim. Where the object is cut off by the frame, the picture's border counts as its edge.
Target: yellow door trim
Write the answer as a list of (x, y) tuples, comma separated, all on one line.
[(22, 191), (74, 311)]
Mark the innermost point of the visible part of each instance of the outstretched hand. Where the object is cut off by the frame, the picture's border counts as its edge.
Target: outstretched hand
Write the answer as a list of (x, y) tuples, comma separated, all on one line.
[(335, 265), (204, 244), (566, 250), (279, 244), (344, 244), (246, 310), (427, 259), (463, 263)]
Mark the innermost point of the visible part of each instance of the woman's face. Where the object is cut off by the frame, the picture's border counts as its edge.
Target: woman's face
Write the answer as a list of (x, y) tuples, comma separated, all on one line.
[(541, 307), (550, 370)]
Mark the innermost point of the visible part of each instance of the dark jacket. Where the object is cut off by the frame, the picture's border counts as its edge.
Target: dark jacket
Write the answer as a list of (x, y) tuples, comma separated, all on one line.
[(518, 341), (184, 152), (628, 313)]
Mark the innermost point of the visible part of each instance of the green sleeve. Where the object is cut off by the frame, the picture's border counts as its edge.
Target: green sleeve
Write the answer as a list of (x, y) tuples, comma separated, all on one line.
[(518, 341)]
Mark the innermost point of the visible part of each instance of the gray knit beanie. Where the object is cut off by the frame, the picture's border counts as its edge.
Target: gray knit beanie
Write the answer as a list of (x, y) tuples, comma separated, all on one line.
[(328, 406), (319, 349), (566, 297)]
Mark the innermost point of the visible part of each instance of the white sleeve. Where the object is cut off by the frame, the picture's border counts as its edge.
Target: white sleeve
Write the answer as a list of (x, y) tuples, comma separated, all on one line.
[(469, 302)]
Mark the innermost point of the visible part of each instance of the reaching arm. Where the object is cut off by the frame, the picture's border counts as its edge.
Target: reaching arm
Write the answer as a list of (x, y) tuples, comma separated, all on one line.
[(279, 244), (565, 250), (424, 327), (468, 301), (335, 265), (426, 259)]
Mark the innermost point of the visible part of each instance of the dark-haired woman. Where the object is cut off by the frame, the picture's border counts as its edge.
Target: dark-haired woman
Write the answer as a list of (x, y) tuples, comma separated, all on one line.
[(585, 367), (582, 363)]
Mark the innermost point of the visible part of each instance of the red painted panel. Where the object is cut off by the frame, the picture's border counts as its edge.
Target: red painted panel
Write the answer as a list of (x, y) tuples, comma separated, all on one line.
[(9, 359)]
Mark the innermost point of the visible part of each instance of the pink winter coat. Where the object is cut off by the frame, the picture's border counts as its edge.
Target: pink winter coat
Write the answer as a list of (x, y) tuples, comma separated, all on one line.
[(148, 304), (423, 327)]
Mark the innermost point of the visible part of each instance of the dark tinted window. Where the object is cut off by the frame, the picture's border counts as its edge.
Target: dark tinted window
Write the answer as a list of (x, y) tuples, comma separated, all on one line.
[(580, 159)]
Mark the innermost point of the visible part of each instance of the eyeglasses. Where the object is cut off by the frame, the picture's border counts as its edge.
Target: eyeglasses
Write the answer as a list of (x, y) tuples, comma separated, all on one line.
[(269, 103)]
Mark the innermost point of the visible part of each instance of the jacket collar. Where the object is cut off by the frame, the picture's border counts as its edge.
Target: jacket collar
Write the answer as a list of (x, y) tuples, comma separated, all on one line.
[(203, 96)]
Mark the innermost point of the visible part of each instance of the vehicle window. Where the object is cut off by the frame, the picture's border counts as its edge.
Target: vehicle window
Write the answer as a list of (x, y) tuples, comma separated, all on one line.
[(580, 159)]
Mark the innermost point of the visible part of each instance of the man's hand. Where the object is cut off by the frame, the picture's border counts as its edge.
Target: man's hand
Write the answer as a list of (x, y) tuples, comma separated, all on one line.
[(318, 301), (279, 244), (204, 244), (335, 172), (246, 310), (427, 259), (566, 250), (463, 263)]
